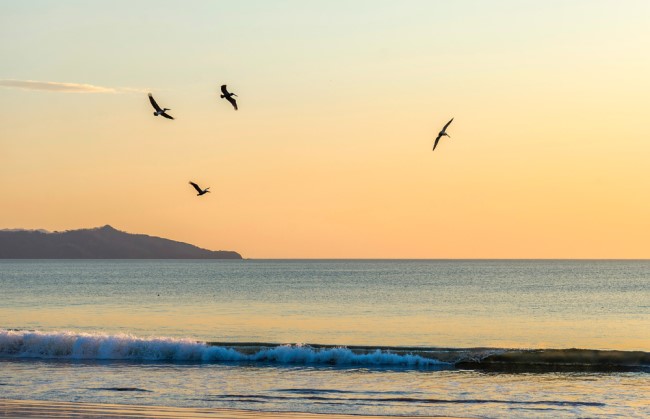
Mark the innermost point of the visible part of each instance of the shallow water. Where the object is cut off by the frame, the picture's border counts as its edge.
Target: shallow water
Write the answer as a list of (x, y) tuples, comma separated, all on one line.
[(422, 305), (330, 389)]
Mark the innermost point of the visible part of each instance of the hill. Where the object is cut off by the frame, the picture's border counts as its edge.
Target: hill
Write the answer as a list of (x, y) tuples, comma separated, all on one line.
[(99, 243)]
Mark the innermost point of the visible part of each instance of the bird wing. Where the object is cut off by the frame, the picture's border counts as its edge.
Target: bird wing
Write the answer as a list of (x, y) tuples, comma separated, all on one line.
[(232, 101), (436, 143), (198, 189), (166, 115), (447, 124), (224, 90), (153, 103)]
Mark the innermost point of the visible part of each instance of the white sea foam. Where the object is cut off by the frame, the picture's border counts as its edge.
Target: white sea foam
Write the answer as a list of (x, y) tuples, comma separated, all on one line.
[(95, 346)]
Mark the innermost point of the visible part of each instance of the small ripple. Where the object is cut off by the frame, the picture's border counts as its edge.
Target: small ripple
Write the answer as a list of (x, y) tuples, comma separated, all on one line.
[(324, 399), (313, 391), (334, 391), (121, 389)]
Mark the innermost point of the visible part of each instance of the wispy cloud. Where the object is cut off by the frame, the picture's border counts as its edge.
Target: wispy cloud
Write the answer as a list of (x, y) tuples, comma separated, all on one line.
[(53, 86)]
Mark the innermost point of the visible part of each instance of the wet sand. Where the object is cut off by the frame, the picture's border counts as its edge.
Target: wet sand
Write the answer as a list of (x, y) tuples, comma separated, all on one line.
[(49, 409)]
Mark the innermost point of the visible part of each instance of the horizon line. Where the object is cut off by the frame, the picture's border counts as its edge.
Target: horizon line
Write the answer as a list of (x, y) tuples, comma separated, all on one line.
[(350, 259)]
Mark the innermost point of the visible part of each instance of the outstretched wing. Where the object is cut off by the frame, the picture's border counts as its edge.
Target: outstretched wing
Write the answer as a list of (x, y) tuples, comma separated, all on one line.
[(153, 103), (436, 143), (447, 124), (232, 101), (166, 115), (224, 90), (196, 187)]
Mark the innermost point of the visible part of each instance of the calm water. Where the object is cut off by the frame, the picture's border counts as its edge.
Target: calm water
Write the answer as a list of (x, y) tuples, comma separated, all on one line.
[(127, 332)]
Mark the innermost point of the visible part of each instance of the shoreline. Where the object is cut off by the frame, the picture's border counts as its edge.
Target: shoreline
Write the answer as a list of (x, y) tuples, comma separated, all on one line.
[(12, 408)]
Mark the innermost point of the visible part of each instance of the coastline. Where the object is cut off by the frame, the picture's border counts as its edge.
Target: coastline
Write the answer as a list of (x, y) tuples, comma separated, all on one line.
[(11, 408)]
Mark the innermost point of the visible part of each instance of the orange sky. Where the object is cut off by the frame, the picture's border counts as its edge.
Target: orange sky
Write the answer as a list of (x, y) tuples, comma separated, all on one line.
[(330, 152)]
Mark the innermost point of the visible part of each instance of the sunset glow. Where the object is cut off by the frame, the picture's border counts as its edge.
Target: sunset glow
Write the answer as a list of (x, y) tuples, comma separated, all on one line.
[(329, 154)]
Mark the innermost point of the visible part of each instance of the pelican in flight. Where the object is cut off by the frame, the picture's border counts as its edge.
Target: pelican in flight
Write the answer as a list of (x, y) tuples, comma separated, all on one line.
[(228, 96), (159, 111), (199, 190), (442, 133)]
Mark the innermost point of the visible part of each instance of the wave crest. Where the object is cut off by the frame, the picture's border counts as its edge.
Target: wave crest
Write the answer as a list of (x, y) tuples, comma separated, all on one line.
[(97, 347), (93, 346)]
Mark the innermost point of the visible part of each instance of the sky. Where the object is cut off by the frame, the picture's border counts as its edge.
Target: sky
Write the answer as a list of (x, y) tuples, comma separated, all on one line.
[(329, 155)]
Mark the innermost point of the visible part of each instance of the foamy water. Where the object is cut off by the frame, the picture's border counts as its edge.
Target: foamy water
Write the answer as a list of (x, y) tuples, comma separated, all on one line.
[(101, 347)]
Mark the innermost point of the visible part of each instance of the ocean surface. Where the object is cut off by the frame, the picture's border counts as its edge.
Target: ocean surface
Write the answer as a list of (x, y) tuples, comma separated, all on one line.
[(476, 338)]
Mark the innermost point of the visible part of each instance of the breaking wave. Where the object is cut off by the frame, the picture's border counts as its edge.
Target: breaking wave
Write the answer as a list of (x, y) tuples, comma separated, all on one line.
[(123, 347), (87, 346)]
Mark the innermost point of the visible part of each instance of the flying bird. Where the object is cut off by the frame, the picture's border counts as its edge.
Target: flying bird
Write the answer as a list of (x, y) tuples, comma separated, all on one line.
[(442, 133), (199, 190), (159, 111), (228, 96)]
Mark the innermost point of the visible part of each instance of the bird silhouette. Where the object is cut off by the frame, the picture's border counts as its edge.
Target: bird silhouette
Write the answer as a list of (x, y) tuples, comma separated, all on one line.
[(228, 96), (199, 190), (159, 111), (442, 133)]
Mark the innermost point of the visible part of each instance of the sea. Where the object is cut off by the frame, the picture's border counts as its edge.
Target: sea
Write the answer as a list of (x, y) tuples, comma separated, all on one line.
[(468, 338)]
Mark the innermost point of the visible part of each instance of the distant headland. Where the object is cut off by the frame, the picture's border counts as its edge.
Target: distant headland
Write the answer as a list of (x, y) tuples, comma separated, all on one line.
[(98, 243)]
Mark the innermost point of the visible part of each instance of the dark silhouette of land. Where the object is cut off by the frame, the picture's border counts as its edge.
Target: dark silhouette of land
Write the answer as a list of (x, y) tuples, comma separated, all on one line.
[(99, 243)]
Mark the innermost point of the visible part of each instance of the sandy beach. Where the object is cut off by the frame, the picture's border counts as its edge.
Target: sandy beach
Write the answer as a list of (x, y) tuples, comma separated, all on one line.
[(49, 409)]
